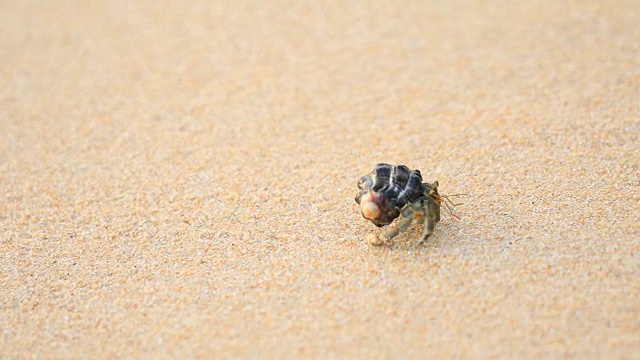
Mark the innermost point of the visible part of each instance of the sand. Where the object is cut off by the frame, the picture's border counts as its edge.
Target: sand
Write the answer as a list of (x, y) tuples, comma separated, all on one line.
[(177, 180)]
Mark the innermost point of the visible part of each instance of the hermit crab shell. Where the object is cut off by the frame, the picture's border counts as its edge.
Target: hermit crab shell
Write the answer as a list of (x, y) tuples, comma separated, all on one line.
[(386, 190)]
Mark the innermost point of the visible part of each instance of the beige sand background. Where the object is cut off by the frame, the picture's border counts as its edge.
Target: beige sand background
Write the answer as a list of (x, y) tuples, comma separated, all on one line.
[(177, 180)]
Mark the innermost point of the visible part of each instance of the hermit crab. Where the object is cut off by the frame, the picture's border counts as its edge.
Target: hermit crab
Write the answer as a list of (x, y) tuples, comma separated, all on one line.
[(391, 191)]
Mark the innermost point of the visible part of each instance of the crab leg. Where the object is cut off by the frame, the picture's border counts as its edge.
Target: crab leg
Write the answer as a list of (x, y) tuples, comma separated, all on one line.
[(432, 216), (410, 213), (393, 230)]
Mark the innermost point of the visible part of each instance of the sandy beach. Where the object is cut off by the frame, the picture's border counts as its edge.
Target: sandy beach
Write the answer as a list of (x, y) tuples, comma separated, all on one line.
[(177, 180)]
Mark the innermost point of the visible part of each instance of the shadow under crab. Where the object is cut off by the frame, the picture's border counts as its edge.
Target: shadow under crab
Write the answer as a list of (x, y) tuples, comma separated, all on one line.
[(389, 192)]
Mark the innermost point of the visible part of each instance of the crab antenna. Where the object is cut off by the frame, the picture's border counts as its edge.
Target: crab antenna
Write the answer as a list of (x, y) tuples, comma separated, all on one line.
[(447, 198), (448, 204), (459, 194)]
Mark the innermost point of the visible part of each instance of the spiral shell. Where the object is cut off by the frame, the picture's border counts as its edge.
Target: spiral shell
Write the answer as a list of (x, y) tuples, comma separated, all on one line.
[(386, 190)]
